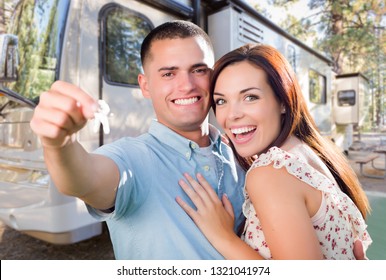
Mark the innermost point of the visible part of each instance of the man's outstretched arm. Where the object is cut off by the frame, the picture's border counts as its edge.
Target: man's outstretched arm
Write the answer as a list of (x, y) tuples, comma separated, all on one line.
[(62, 111)]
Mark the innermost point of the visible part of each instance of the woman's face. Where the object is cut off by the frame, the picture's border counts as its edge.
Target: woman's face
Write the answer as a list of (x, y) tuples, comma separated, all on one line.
[(246, 108)]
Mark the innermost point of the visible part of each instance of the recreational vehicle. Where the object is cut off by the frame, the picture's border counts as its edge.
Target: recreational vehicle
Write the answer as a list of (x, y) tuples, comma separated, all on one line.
[(95, 44)]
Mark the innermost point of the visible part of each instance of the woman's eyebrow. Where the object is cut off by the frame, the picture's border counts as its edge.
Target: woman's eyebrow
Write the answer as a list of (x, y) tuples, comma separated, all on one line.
[(242, 91), (250, 88)]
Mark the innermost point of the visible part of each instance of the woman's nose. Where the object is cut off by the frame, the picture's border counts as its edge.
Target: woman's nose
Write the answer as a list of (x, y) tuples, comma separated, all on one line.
[(235, 111)]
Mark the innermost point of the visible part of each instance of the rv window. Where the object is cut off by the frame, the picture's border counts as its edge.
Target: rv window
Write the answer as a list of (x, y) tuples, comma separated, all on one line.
[(39, 26), (291, 54), (124, 33), (346, 98), (317, 87)]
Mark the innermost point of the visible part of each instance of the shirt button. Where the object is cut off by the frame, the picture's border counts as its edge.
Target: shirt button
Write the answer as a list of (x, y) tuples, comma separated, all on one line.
[(187, 155), (206, 167), (193, 146)]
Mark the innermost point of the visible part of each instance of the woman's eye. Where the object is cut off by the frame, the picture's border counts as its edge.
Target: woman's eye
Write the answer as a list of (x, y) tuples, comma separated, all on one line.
[(219, 101), (251, 97)]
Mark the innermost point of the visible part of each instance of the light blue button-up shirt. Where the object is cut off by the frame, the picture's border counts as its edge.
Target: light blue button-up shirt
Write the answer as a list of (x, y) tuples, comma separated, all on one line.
[(147, 222)]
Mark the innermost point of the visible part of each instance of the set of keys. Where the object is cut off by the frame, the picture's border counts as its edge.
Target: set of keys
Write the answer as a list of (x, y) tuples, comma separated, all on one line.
[(101, 117)]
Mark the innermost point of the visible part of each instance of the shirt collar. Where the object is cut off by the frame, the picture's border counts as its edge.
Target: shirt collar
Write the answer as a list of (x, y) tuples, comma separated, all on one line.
[(179, 143)]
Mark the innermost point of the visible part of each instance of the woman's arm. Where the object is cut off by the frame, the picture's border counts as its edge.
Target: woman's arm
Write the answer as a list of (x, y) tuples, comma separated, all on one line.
[(215, 219), (280, 201)]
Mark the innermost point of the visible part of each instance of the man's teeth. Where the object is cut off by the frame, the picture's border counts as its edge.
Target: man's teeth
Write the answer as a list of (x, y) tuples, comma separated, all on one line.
[(242, 130), (186, 101)]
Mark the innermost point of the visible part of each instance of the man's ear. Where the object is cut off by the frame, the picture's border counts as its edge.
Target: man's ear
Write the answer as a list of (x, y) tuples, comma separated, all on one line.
[(142, 81)]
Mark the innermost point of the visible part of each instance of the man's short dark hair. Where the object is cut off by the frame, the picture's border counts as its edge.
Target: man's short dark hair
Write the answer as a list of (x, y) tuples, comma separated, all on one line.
[(177, 29)]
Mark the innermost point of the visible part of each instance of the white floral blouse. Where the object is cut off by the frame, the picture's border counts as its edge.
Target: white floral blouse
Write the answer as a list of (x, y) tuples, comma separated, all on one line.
[(338, 222)]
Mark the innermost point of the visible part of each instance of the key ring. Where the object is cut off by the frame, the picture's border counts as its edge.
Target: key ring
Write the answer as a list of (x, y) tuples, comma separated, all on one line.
[(100, 117)]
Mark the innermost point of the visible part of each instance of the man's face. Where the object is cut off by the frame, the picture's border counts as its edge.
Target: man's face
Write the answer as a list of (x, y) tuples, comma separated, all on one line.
[(176, 78)]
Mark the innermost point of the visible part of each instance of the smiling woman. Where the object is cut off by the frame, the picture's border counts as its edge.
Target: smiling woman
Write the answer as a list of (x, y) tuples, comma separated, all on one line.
[(302, 199)]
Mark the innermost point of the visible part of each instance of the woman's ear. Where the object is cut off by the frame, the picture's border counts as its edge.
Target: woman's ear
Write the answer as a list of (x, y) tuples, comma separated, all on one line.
[(282, 109)]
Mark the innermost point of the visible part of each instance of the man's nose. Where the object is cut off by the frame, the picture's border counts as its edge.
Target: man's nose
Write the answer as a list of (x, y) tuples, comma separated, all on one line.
[(186, 82)]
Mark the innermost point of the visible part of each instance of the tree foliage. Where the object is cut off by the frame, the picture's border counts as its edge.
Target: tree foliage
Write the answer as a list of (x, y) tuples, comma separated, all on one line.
[(351, 32)]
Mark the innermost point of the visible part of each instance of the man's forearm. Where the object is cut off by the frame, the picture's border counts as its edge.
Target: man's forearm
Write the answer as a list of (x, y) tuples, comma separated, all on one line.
[(69, 168), (75, 172)]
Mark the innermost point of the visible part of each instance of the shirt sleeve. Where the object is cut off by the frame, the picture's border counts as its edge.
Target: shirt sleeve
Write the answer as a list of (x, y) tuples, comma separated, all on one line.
[(130, 157)]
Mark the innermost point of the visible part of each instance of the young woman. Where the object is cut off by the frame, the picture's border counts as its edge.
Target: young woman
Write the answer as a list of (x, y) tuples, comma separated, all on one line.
[(302, 199)]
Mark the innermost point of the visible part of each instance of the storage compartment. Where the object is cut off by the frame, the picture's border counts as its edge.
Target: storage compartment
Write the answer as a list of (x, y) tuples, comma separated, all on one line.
[(350, 98)]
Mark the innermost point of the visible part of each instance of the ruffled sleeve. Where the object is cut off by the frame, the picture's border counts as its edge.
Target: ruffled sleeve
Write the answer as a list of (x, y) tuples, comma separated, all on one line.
[(295, 166)]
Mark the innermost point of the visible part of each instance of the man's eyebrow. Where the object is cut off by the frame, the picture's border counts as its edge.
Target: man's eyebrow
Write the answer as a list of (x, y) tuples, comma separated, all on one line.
[(167, 68), (200, 65), (171, 68)]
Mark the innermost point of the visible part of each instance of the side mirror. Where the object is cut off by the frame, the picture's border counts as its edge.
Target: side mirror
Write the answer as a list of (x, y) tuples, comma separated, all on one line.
[(9, 59)]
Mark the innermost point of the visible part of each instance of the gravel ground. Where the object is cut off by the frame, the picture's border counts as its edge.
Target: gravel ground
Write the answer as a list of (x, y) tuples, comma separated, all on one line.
[(361, 149), (17, 246)]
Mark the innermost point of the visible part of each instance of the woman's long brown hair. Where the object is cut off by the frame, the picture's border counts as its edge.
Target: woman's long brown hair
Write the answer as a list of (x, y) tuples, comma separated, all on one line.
[(297, 119)]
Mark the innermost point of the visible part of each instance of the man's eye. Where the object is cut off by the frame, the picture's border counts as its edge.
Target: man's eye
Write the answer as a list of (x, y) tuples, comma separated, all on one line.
[(167, 75), (201, 70)]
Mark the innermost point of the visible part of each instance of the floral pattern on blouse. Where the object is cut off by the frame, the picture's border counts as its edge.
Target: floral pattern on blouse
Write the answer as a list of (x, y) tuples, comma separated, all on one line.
[(338, 222)]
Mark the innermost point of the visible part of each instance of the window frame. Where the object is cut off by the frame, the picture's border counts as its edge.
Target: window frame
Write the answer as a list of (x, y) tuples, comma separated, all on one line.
[(291, 53), (61, 17), (323, 95)]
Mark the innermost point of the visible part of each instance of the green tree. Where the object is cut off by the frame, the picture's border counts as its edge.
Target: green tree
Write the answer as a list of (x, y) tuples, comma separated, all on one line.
[(6, 9)]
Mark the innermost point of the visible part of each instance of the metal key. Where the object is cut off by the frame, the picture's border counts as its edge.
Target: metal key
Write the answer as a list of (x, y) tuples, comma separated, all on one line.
[(101, 117)]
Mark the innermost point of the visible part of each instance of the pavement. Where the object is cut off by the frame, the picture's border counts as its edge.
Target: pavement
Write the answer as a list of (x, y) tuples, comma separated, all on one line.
[(361, 149), (375, 189)]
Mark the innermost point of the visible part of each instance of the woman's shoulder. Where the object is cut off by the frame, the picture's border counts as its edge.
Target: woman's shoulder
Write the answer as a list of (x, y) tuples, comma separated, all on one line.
[(267, 169), (276, 157)]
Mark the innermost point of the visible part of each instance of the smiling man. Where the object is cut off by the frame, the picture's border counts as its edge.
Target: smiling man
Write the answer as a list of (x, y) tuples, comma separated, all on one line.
[(133, 182)]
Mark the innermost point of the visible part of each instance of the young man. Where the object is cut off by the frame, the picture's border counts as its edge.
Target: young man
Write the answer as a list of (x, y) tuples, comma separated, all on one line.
[(133, 183)]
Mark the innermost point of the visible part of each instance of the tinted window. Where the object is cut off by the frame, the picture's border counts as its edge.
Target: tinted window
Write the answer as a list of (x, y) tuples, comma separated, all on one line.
[(39, 26), (346, 98), (124, 31), (291, 53)]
